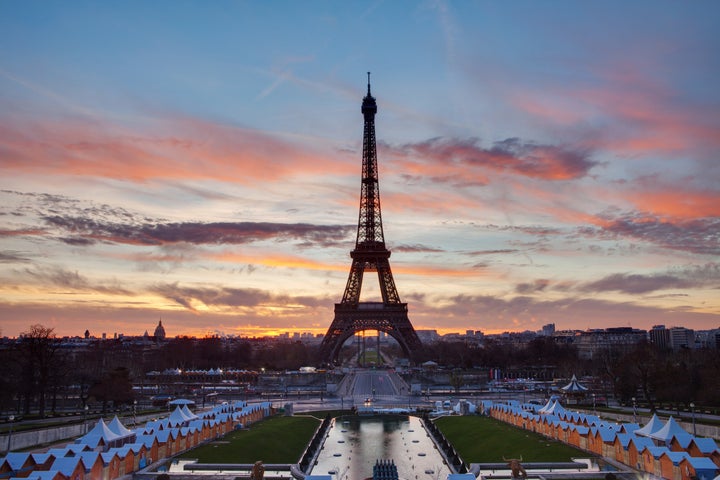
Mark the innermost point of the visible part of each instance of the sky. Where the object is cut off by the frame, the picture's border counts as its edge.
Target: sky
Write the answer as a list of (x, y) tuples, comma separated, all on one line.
[(199, 163)]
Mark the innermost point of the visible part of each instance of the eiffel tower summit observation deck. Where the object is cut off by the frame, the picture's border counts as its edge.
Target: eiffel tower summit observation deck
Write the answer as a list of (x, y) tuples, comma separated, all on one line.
[(370, 255)]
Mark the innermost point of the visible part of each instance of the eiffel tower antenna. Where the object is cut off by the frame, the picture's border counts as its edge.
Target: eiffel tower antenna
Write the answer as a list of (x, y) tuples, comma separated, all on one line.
[(371, 255)]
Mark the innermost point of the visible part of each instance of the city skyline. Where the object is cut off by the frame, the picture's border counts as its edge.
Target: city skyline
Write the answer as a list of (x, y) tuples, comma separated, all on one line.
[(200, 163)]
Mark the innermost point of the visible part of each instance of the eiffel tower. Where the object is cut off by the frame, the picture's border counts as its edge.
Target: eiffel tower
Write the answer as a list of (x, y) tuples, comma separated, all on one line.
[(370, 255)]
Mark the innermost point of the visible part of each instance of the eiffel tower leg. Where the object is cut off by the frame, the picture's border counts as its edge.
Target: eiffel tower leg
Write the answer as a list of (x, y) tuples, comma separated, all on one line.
[(392, 320)]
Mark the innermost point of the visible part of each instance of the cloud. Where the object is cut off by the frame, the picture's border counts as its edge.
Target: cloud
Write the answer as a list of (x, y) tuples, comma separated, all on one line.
[(528, 159), (700, 235), (677, 200), (81, 223), (192, 298), (493, 252), (628, 114), (11, 256), (22, 232), (536, 286), (415, 248), (493, 314), (154, 234), (73, 281), (169, 148), (696, 277)]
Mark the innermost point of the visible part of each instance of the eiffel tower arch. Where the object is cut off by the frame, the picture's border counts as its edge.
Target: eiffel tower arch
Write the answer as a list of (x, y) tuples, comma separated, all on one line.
[(370, 255)]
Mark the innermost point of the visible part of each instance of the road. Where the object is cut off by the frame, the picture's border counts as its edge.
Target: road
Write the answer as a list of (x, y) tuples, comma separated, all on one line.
[(376, 385)]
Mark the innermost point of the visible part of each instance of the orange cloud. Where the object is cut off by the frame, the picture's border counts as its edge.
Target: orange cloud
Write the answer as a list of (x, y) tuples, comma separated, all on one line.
[(274, 260), (677, 203)]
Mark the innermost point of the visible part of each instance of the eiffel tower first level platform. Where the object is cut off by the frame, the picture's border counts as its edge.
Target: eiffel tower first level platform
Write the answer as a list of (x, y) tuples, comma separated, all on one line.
[(370, 255)]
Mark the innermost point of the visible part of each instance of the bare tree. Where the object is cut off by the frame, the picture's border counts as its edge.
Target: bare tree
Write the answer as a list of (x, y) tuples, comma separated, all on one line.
[(38, 349)]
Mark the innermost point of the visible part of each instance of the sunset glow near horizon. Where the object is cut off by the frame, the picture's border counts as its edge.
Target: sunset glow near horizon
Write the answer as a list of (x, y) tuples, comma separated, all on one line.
[(200, 163)]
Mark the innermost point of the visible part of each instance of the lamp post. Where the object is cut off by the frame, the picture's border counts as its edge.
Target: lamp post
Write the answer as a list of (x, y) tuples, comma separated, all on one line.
[(11, 418), (692, 408), (594, 411), (634, 410), (134, 413), (85, 412)]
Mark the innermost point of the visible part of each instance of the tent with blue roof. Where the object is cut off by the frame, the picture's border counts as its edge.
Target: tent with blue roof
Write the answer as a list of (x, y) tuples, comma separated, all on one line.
[(574, 387), (706, 446), (17, 462), (42, 475), (641, 443), (705, 469), (68, 465)]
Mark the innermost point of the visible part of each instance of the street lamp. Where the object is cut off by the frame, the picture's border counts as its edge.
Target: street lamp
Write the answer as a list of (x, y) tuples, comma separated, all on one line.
[(134, 413), (11, 418), (692, 408), (594, 411), (634, 410), (85, 412)]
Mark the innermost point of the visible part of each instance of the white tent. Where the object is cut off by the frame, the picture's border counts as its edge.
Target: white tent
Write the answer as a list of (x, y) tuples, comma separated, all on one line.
[(652, 426), (177, 417), (670, 430), (119, 429), (99, 432), (555, 409), (186, 411), (549, 404)]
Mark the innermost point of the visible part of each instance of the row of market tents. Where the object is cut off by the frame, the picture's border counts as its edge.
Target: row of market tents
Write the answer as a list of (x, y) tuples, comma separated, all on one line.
[(663, 449), (111, 450)]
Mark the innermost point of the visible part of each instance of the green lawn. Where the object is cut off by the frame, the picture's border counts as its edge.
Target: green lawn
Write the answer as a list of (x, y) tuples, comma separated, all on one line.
[(281, 439), (277, 439), (483, 440)]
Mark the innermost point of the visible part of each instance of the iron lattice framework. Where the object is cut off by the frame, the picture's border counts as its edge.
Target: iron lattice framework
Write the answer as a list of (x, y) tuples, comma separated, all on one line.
[(370, 254)]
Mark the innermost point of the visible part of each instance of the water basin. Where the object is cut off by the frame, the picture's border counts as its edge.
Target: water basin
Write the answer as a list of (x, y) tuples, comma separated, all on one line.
[(383, 437)]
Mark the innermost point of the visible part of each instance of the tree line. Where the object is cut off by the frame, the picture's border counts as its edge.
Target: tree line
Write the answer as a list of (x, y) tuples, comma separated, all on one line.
[(40, 373)]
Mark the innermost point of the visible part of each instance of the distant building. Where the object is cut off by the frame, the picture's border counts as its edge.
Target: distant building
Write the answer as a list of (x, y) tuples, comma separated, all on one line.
[(681, 337), (592, 342), (566, 336), (160, 331), (660, 336), (548, 330), (713, 339), (428, 336)]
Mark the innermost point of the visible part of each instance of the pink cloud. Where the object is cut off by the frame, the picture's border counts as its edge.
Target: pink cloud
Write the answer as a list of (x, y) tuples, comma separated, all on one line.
[(524, 158), (196, 149), (630, 114)]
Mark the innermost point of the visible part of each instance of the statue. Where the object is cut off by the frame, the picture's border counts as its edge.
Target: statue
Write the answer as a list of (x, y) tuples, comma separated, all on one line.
[(258, 471), (516, 467)]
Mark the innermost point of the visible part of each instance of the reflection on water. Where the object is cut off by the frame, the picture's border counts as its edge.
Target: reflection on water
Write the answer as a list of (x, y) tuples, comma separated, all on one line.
[(355, 443)]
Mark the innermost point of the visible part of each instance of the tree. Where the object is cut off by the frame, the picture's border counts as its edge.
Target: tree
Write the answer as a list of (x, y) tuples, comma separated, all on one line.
[(38, 354), (456, 380), (115, 387)]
